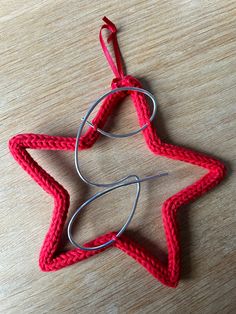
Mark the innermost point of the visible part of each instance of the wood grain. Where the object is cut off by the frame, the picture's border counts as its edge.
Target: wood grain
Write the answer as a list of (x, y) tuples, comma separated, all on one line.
[(51, 68)]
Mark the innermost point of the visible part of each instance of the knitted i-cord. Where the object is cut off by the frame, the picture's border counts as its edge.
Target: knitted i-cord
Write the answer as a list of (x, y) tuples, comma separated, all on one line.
[(50, 260)]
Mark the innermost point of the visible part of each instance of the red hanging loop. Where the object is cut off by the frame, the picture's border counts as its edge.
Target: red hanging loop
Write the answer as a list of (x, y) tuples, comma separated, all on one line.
[(116, 68)]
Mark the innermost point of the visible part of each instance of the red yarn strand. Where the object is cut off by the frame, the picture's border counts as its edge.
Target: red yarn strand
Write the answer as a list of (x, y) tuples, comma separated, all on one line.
[(50, 260)]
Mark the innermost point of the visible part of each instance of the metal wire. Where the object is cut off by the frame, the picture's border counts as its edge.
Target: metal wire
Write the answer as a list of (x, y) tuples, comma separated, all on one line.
[(111, 135), (93, 198), (115, 184), (113, 91)]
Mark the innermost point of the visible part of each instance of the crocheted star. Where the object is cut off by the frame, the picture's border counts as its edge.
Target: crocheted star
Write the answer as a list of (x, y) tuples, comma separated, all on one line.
[(50, 260)]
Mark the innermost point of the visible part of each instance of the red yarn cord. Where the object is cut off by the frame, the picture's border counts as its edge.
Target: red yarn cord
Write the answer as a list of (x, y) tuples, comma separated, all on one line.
[(50, 257), (117, 69)]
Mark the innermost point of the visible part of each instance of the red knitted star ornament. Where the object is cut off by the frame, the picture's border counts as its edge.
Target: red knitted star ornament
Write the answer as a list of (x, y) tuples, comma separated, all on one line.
[(50, 260)]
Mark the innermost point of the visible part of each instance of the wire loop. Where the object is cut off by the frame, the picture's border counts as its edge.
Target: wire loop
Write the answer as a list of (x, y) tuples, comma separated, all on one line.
[(93, 198)]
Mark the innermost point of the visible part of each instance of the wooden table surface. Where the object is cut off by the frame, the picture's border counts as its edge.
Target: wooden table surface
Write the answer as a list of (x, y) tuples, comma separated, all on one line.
[(52, 67)]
